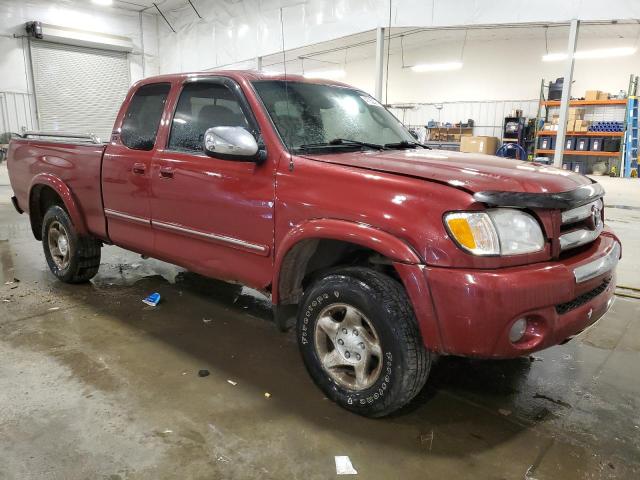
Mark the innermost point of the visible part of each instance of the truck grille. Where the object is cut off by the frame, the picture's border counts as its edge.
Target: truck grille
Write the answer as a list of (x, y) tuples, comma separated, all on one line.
[(563, 308), (581, 225)]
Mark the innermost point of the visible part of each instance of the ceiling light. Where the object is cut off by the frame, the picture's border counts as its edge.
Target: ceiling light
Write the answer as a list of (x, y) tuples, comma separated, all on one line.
[(104, 3), (330, 74), (437, 67), (598, 53), (554, 57)]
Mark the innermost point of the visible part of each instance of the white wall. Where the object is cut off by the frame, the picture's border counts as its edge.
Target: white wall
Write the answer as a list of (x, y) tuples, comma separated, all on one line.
[(237, 31), (495, 70), (15, 87)]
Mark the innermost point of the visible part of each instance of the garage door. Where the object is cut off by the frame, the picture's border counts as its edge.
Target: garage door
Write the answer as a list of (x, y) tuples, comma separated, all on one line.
[(78, 89)]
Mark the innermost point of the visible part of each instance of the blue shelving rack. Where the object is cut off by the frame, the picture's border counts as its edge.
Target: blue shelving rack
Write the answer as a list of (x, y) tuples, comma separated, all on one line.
[(630, 155)]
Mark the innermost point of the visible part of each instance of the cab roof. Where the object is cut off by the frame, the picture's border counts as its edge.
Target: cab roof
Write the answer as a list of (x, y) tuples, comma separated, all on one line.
[(248, 75)]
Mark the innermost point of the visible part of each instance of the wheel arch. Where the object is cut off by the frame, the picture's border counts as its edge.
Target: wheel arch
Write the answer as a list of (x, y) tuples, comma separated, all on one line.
[(46, 190), (299, 246)]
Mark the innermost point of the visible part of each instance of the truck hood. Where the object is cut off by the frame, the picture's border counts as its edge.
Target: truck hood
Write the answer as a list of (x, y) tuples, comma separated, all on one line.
[(467, 171)]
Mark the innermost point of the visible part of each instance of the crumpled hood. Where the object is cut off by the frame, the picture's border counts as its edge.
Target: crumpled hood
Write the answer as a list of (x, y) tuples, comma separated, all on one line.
[(468, 171)]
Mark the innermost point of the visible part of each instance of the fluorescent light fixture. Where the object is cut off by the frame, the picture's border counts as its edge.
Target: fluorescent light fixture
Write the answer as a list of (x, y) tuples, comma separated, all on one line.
[(598, 53), (554, 57), (104, 3), (330, 74), (437, 67)]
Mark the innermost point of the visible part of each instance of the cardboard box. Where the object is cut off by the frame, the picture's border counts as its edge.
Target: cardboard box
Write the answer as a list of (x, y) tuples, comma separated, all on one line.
[(603, 95), (575, 113), (487, 145), (579, 125), (592, 94), (571, 125)]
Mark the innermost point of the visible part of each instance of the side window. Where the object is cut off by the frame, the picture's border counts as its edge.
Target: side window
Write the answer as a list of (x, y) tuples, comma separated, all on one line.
[(202, 106), (141, 121)]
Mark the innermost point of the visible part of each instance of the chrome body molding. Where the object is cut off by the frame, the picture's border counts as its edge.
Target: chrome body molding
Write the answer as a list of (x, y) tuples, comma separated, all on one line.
[(598, 267), (229, 241), (125, 216)]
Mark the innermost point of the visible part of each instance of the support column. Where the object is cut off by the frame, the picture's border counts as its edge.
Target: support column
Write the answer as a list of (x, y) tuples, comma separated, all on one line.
[(259, 64), (566, 93), (379, 74)]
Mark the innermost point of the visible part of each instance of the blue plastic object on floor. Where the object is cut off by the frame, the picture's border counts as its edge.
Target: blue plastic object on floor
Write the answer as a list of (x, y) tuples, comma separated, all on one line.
[(152, 300)]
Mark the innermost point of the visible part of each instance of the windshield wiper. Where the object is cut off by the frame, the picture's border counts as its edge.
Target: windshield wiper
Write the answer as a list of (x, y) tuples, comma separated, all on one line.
[(406, 144), (341, 143)]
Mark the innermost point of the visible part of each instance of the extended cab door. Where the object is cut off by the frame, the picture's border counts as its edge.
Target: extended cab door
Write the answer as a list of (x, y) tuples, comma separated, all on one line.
[(212, 216), (126, 169)]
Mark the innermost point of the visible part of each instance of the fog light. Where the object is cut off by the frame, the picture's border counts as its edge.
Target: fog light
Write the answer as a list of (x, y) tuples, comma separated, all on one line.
[(518, 330)]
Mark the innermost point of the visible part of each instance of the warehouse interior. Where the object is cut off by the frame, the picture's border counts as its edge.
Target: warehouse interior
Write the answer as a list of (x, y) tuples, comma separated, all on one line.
[(94, 383)]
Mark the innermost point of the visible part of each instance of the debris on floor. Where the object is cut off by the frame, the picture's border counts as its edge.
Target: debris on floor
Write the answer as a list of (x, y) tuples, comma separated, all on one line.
[(504, 412), (207, 320), (152, 300), (203, 373), (552, 400), (232, 382), (427, 439), (344, 466), (267, 394)]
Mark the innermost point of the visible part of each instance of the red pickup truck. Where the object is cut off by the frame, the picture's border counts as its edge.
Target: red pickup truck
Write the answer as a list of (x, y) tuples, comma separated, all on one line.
[(387, 252)]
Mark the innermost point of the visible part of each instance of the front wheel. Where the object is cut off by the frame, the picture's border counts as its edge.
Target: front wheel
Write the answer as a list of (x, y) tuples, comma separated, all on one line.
[(360, 341), (71, 258)]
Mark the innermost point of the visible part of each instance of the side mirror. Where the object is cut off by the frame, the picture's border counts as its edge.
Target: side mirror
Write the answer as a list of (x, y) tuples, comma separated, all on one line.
[(230, 143)]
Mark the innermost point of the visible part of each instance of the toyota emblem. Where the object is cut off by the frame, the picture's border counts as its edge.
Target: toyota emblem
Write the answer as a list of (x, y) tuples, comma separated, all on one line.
[(596, 217)]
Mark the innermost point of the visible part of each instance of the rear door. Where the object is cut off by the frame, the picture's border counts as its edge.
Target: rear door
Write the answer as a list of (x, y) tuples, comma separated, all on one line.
[(126, 170), (212, 216)]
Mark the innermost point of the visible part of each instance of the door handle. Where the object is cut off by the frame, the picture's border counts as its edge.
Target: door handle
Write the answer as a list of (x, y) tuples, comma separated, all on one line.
[(166, 172), (139, 168)]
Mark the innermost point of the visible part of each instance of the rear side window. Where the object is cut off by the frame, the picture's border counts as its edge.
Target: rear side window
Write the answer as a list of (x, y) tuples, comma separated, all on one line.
[(141, 121), (203, 106)]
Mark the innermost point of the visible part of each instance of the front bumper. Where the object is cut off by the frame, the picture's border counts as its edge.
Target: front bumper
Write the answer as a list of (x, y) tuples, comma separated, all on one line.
[(474, 310)]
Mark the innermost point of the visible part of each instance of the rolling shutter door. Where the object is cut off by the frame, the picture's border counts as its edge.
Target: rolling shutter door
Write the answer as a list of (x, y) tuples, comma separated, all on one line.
[(78, 89)]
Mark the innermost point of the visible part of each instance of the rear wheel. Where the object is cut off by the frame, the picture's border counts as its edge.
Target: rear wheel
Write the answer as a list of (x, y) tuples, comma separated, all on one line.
[(360, 341), (71, 258)]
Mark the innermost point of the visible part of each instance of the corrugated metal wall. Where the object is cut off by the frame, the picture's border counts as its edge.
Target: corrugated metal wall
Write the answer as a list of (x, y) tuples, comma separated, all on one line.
[(488, 116), (17, 114)]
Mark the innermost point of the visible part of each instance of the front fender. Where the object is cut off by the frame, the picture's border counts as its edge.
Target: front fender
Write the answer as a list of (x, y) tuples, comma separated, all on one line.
[(63, 191), (357, 233), (405, 260)]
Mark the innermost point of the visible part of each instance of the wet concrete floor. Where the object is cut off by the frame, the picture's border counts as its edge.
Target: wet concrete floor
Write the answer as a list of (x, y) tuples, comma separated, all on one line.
[(95, 384)]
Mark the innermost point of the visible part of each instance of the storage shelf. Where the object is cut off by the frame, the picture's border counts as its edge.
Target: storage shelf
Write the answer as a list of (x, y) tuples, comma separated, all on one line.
[(581, 152), (574, 103), (547, 133)]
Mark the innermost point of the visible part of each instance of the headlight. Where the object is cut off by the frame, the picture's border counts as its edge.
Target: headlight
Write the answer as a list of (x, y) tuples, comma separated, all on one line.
[(499, 231)]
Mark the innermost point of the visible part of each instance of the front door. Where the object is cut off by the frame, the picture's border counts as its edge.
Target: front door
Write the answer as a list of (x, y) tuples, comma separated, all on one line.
[(126, 170), (212, 216)]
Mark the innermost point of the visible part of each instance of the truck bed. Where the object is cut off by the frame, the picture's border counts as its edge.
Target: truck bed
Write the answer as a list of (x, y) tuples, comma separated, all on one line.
[(77, 164)]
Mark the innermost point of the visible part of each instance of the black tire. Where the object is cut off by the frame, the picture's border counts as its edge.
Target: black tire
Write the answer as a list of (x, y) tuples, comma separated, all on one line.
[(83, 252), (382, 301)]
